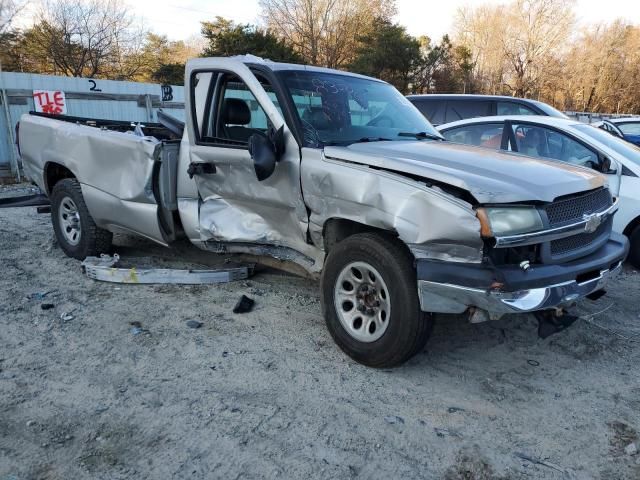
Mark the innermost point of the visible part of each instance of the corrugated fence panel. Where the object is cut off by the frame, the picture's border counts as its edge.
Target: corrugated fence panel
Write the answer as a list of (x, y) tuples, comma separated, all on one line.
[(108, 99)]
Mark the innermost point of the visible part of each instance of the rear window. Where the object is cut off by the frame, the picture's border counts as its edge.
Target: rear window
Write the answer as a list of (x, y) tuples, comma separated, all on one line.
[(462, 109)]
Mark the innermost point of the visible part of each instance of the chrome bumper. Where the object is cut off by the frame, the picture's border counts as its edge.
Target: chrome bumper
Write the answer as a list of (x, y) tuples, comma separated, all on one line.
[(447, 298)]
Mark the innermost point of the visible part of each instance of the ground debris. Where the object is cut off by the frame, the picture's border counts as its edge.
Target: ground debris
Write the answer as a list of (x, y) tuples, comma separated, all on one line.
[(244, 305), (394, 419)]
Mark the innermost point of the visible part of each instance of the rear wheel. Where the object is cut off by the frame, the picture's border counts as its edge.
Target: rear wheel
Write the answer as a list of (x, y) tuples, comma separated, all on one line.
[(370, 301), (75, 230), (634, 251)]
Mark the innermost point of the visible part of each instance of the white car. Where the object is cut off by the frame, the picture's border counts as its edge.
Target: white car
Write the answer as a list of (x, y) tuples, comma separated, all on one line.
[(568, 141)]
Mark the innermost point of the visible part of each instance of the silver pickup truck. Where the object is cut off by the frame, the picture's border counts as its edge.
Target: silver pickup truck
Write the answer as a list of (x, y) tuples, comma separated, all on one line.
[(341, 175)]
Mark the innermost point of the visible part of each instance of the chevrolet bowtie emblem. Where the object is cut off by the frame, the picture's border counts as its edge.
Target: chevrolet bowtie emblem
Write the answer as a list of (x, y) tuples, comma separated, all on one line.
[(592, 222)]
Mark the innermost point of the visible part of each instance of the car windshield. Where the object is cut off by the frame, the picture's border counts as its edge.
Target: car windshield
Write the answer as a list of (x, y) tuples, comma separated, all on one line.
[(339, 109), (622, 147)]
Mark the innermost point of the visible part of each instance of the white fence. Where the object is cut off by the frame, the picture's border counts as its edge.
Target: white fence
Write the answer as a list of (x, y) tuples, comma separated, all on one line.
[(83, 97)]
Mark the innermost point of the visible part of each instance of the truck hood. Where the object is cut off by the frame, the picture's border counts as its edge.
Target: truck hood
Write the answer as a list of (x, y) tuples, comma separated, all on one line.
[(491, 176)]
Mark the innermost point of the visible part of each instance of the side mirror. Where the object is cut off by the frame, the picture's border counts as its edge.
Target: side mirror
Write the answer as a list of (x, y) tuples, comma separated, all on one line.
[(263, 154)]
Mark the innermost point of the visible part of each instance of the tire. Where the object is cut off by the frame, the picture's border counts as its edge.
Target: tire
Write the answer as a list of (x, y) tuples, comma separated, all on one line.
[(388, 278), (634, 250), (77, 233)]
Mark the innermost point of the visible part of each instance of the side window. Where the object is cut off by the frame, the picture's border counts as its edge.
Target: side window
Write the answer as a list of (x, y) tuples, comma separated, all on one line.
[(462, 109), (546, 143), (433, 110), (226, 111), (513, 108), (488, 135), (629, 128)]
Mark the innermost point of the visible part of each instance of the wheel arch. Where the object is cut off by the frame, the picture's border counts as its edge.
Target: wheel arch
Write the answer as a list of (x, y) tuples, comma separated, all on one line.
[(53, 173), (628, 230), (337, 229)]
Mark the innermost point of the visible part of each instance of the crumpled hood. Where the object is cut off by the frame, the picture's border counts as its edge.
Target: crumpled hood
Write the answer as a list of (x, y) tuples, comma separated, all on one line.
[(491, 176)]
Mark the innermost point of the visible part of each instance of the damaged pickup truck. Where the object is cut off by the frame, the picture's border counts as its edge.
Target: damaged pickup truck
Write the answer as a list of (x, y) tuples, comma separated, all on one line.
[(340, 174)]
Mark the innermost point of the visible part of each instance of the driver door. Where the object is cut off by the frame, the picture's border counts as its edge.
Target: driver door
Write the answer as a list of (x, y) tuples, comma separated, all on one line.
[(227, 107)]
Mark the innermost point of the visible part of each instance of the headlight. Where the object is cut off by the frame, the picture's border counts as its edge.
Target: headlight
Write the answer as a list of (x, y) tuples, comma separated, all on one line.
[(498, 221)]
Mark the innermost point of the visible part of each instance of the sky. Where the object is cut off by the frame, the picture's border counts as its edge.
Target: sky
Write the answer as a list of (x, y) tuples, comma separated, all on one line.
[(180, 19)]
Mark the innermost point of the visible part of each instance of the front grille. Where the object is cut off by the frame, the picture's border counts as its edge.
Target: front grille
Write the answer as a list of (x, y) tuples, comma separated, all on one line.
[(571, 209), (571, 244)]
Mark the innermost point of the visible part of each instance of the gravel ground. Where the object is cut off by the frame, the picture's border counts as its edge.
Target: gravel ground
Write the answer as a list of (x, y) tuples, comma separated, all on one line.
[(267, 394)]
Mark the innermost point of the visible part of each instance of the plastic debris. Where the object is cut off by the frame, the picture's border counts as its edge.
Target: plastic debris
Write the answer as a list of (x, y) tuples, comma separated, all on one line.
[(245, 304)]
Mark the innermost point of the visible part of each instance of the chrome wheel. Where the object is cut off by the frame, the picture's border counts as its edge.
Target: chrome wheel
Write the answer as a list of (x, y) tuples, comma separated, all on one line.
[(69, 218), (362, 302)]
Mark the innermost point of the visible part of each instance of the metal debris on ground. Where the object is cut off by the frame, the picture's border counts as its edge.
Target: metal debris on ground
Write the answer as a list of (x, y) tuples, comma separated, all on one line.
[(194, 324), (245, 304), (66, 317), (104, 268)]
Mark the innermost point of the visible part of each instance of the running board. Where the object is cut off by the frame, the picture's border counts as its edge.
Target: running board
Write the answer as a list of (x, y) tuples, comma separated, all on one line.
[(105, 269)]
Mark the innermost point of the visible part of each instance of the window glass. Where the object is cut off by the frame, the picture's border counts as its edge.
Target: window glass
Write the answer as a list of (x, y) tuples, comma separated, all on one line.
[(622, 147), (336, 109), (543, 142), (488, 135), (461, 109), (513, 108), (432, 109), (629, 128), (226, 111)]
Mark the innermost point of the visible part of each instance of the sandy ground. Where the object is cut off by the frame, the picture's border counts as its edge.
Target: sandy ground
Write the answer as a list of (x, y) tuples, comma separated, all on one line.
[(267, 394)]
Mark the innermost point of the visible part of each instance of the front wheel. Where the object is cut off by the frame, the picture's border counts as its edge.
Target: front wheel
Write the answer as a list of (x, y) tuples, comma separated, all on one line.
[(370, 301), (74, 227)]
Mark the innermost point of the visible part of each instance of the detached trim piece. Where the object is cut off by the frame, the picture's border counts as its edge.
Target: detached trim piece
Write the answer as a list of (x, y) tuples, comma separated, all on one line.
[(104, 269), (37, 200)]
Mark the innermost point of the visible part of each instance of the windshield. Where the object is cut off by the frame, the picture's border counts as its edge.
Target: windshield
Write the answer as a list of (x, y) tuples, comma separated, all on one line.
[(622, 147), (339, 109)]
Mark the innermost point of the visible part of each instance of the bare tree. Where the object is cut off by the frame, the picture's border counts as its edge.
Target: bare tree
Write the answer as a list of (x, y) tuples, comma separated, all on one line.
[(86, 38), (324, 32), (512, 44), (9, 9)]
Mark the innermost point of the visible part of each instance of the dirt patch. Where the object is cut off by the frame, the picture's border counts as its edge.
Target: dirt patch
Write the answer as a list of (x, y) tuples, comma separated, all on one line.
[(125, 389)]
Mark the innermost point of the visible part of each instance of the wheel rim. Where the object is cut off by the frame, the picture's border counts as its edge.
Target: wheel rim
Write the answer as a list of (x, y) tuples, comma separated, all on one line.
[(69, 218), (362, 302)]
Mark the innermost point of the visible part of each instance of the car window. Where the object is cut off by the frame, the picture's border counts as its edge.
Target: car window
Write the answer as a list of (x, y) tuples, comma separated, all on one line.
[(544, 142), (629, 128), (622, 147), (513, 108), (462, 109), (338, 109), (488, 135), (432, 109)]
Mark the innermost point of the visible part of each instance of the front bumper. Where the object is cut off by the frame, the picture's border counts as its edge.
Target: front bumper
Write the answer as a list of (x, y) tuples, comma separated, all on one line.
[(445, 287)]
